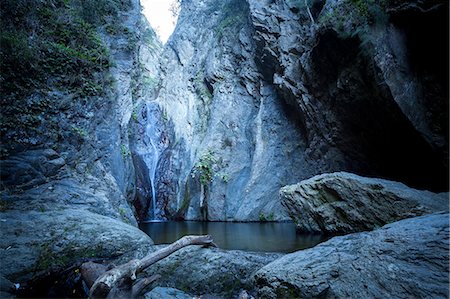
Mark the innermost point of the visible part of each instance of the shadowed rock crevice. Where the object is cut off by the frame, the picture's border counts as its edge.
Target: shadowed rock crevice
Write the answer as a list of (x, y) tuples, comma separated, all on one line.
[(361, 86), (372, 131), (426, 36)]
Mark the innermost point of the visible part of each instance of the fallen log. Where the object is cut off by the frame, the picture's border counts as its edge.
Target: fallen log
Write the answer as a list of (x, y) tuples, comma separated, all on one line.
[(120, 281)]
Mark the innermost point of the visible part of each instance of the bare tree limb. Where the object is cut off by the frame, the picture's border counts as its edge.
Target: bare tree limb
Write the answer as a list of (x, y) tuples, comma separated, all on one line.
[(141, 284), (126, 273)]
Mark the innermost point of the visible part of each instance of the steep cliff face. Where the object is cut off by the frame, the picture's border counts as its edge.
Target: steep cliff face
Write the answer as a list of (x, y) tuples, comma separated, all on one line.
[(71, 74), (254, 95), (226, 130), (370, 90)]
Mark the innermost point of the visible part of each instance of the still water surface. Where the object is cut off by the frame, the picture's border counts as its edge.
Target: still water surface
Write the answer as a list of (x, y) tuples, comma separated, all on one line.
[(268, 237)]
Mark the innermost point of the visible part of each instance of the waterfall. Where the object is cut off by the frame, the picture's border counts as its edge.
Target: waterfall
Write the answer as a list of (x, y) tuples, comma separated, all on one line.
[(152, 176), (151, 157)]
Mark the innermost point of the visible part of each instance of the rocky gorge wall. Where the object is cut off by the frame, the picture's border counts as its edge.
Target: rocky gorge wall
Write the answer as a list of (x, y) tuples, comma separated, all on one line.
[(256, 95), (71, 77), (102, 126)]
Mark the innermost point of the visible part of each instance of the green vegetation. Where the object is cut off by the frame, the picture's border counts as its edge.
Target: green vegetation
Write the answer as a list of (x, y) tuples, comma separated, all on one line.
[(49, 258), (81, 132), (264, 218), (4, 205), (53, 44), (124, 150), (51, 53), (225, 177), (151, 39), (362, 6), (204, 168), (201, 87), (371, 11), (134, 116), (234, 16), (122, 212), (150, 81)]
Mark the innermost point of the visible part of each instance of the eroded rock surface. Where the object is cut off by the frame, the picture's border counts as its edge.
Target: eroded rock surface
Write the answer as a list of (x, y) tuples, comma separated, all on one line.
[(256, 95), (34, 241), (405, 259), (340, 203), (67, 176), (210, 271), (166, 293)]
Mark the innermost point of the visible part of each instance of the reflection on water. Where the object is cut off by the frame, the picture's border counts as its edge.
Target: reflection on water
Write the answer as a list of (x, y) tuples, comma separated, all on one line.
[(269, 237)]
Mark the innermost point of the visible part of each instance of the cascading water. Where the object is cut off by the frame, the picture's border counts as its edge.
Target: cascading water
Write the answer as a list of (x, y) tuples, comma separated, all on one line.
[(150, 155), (152, 175)]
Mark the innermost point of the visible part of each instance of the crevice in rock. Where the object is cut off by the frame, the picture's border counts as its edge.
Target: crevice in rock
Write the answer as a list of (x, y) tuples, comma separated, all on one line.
[(370, 128), (427, 41)]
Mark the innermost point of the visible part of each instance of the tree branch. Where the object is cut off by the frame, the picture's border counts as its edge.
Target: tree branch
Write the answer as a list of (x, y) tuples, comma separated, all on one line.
[(111, 279)]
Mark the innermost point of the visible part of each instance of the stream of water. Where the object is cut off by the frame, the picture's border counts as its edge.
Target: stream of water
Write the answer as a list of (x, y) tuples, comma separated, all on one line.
[(151, 159), (253, 236)]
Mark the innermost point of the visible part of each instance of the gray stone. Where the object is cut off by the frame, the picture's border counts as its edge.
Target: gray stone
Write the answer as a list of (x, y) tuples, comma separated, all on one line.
[(214, 100), (33, 241), (326, 71), (166, 293), (210, 270), (276, 98), (340, 203), (405, 259), (6, 285)]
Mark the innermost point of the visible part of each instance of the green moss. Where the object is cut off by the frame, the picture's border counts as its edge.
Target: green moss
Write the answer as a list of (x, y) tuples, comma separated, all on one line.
[(49, 258), (4, 205)]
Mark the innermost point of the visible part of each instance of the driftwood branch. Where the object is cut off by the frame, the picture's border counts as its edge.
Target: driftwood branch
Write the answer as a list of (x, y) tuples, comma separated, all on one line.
[(120, 279)]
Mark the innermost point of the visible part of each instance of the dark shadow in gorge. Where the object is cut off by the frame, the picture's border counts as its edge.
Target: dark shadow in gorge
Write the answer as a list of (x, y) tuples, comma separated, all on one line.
[(367, 124)]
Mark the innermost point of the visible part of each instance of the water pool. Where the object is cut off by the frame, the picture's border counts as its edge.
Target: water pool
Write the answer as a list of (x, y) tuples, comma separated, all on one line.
[(253, 236)]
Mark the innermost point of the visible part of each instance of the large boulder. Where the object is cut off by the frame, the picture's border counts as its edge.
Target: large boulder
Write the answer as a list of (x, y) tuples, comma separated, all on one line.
[(406, 259), (210, 271), (341, 202), (34, 241), (166, 293)]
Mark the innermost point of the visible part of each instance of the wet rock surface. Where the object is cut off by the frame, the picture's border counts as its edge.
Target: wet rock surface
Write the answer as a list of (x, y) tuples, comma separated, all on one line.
[(341, 203), (408, 258)]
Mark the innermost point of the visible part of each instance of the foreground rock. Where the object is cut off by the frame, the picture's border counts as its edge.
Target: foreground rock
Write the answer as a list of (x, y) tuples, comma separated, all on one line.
[(166, 293), (210, 271), (341, 202), (406, 259), (35, 241)]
